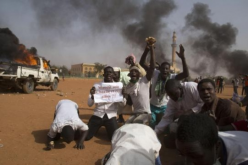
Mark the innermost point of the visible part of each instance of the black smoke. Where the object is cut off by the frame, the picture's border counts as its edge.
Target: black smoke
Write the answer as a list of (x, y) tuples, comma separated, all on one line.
[(135, 20), (11, 49), (9, 44), (214, 43)]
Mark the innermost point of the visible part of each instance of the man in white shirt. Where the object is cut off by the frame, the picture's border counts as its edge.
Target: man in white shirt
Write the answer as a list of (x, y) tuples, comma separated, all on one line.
[(67, 125), (159, 99), (184, 99), (104, 113), (138, 89), (198, 140)]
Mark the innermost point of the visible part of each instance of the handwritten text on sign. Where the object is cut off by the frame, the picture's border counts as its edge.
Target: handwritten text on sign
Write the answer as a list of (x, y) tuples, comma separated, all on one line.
[(108, 92)]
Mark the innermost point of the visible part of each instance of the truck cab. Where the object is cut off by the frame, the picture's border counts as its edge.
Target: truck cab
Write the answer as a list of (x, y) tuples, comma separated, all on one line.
[(27, 77)]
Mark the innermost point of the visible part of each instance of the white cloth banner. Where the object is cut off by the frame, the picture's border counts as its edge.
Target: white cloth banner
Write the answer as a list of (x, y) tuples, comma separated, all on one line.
[(108, 92)]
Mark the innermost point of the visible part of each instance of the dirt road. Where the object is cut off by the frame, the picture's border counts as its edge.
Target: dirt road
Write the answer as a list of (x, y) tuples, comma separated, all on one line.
[(26, 118)]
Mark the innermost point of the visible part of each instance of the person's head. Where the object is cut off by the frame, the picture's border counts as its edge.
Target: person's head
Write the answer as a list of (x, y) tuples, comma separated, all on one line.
[(174, 89), (164, 70), (117, 73), (134, 73), (67, 134), (108, 74), (206, 89), (197, 139)]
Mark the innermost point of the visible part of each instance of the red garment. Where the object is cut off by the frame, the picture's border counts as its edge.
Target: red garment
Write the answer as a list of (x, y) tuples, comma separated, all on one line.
[(218, 82), (241, 125), (246, 81)]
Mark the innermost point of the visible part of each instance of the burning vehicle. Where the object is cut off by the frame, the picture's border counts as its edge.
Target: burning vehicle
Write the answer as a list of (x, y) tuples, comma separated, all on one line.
[(21, 68)]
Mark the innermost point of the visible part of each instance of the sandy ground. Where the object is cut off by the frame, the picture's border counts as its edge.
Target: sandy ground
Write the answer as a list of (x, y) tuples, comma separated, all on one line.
[(26, 118)]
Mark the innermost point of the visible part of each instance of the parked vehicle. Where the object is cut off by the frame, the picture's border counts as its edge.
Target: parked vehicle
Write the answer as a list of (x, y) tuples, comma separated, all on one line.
[(27, 77)]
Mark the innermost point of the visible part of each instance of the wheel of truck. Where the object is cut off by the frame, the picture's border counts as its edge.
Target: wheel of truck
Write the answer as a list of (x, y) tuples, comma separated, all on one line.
[(28, 86), (54, 85)]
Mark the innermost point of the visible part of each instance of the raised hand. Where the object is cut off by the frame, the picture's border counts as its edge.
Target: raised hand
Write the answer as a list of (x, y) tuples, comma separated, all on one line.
[(181, 51), (150, 41)]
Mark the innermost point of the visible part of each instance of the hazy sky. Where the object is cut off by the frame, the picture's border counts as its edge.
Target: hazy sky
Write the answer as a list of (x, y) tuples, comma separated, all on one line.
[(67, 38)]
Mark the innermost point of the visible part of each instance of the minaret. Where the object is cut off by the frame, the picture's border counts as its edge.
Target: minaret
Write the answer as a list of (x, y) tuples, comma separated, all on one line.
[(174, 46)]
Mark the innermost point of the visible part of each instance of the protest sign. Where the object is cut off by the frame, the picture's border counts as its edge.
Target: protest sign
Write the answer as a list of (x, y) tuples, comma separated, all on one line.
[(108, 92)]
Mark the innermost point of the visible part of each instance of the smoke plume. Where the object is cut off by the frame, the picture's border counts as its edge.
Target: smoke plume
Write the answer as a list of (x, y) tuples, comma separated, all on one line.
[(135, 20), (11, 49), (215, 42)]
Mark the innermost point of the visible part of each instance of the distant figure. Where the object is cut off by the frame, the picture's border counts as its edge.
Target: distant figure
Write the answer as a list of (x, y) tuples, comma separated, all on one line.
[(63, 76), (67, 125), (214, 80), (235, 83), (243, 87), (246, 84), (220, 87)]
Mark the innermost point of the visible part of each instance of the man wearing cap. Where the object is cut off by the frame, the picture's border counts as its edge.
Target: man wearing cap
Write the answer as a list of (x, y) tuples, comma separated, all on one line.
[(138, 89), (130, 60)]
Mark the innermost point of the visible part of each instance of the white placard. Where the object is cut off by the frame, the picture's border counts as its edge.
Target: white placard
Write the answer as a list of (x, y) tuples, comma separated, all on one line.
[(108, 92)]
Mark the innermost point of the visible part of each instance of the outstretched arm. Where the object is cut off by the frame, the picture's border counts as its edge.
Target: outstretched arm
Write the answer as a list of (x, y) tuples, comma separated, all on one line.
[(185, 72), (143, 59), (150, 71)]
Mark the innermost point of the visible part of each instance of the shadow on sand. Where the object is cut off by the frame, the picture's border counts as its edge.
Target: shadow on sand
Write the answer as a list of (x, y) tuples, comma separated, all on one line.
[(84, 116), (40, 136), (102, 137), (98, 162)]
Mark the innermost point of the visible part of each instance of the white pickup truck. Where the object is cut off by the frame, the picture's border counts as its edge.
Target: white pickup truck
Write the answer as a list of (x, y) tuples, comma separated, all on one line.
[(27, 77)]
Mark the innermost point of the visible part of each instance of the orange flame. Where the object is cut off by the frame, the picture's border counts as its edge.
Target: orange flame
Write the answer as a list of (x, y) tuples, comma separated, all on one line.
[(25, 56), (45, 65)]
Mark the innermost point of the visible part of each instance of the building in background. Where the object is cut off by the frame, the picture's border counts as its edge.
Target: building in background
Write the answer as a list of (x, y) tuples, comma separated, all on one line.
[(174, 47), (83, 70), (88, 70)]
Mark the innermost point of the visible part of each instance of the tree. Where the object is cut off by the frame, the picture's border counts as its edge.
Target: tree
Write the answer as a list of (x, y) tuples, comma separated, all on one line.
[(98, 68)]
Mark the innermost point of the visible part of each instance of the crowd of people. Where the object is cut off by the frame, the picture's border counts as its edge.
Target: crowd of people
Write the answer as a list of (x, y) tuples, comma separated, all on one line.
[(159, 102)]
